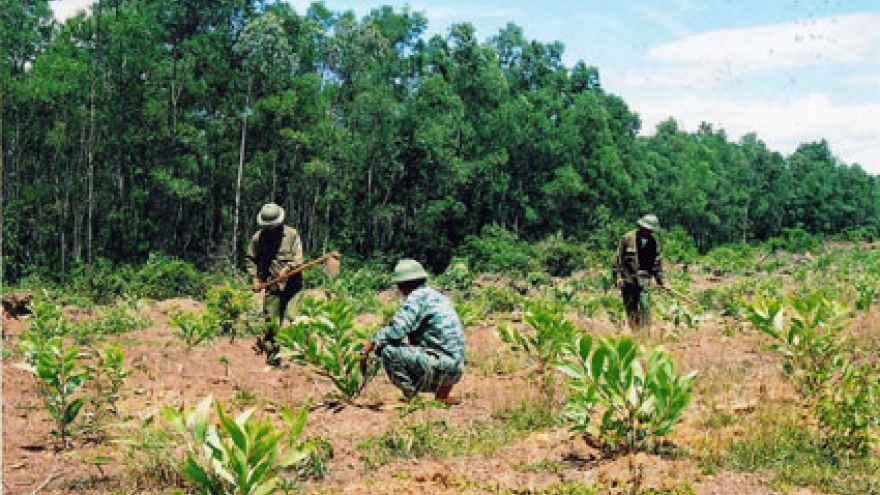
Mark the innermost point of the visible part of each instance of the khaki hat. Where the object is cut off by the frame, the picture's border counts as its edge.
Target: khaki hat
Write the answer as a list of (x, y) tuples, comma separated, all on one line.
[(408, 270), (650, 222), (271, 215)]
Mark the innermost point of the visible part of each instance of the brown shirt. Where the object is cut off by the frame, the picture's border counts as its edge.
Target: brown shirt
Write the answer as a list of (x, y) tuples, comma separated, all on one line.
[(635, 254), (271, 252)]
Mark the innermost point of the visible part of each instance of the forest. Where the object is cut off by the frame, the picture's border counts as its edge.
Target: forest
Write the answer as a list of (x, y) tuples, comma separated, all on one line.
[(151, 127)]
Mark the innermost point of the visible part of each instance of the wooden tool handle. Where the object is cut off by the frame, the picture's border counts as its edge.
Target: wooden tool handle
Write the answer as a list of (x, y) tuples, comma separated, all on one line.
[(301, 268)]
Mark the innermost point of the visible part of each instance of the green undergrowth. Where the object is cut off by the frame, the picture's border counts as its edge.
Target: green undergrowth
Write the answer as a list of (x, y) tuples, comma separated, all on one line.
[(784, 445), (437, 438)]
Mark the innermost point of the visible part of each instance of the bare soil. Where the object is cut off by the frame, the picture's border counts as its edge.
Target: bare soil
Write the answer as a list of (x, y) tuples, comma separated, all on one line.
[(739, 376)]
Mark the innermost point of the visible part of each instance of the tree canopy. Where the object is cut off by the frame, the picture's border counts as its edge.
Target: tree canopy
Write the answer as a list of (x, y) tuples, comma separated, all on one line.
[(122, 132)]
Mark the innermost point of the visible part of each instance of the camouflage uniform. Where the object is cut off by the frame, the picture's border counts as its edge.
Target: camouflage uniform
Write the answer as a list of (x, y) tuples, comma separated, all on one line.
[(638, 259), (434, 356), (268, 256)]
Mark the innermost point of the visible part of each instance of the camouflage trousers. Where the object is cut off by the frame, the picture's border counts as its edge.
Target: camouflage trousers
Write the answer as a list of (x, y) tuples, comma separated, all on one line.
[(414, 369), (637, 301)]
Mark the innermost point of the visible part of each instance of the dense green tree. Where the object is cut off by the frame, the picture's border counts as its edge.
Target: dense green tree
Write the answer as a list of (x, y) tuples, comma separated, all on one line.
[(160, 126)]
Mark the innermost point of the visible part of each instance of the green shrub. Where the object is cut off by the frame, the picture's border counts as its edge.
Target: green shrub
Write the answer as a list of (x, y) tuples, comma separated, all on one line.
[(637, 394), (324, 336), (866, 292), (795, 240), (102, 281), (194, 328), (859, 234), (550, 333), (559, 257), (116, 320), (359, 281), (730, 259), (498, 299), (241, 456), (60, 375), (163, 277), (844, 395), (497, 250), (456, 277), (229, 306), (678, 245), (108, 377)]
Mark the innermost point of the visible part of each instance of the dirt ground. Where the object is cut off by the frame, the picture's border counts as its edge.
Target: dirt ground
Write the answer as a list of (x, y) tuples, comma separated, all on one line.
[(737, 375)]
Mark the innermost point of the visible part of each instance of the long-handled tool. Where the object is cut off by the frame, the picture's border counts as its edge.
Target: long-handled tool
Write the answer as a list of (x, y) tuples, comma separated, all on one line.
[(681, 295), (331, 266)]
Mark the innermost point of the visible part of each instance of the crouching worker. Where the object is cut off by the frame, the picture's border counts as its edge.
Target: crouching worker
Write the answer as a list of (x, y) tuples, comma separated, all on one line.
[(431, 359)]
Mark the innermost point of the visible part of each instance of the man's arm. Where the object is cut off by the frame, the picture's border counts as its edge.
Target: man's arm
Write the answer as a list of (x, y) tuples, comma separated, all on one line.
[(252, 262), (658, 267), (404, 322)]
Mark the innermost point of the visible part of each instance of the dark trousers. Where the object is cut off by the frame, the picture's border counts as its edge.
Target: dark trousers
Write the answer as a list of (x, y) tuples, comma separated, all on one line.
[(637, 301)]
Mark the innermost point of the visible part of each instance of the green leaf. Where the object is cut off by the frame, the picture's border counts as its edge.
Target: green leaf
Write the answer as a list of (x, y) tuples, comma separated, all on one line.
[(72, 411)]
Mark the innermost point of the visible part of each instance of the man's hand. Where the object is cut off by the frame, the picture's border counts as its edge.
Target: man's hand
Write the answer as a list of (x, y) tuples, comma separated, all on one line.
[(368, 349), (365, 357), (618, 282)]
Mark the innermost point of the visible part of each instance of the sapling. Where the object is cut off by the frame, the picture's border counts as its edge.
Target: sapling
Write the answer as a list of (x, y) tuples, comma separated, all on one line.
[(237, 456), (637, 393), (59, 377), (325, 337)]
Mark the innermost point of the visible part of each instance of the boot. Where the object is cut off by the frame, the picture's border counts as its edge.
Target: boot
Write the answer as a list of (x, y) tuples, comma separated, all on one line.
[(443, 396)]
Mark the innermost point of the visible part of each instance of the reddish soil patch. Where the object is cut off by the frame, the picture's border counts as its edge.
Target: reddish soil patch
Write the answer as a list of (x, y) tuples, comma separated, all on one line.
[(166, 373)]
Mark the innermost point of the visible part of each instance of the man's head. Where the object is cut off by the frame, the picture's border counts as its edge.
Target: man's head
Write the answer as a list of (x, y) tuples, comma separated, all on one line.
[(648, 224), (409, 275), (271, 216)]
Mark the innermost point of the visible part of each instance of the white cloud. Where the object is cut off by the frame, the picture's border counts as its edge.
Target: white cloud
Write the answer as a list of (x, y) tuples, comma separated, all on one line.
[(65, 9), (864, 80), (716, 57), (851, 130)]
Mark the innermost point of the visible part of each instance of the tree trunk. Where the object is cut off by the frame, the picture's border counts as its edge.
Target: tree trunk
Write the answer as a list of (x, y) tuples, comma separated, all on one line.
[(241, 150)]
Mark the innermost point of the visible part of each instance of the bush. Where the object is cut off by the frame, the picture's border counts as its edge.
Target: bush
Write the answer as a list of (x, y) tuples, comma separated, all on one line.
[(325, 337), (795, 240), (730, 259), (498, 299), (60, 375), (163, 277), (457, 277), (638, 396), (678, 245), (195, 328), (860, 234), (497, 250), (241, 456), (559, 257), (229, 305), (844, 395)]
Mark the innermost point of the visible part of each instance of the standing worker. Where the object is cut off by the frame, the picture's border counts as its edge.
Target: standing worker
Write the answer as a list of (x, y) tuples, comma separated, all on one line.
[(432, 358), (273, 251), (637, 261)]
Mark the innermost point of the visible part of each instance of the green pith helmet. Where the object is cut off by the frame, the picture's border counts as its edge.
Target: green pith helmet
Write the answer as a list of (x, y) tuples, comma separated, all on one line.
[(408, 270), (650, 222), (271, 215)]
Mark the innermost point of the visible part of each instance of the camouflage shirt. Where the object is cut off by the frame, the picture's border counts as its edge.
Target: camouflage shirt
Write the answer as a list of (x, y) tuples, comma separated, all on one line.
[(268, 255), (428, 320), (638, 255)]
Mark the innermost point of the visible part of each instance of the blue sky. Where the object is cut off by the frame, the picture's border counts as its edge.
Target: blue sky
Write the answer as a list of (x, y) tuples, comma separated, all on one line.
[(790, 70)]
